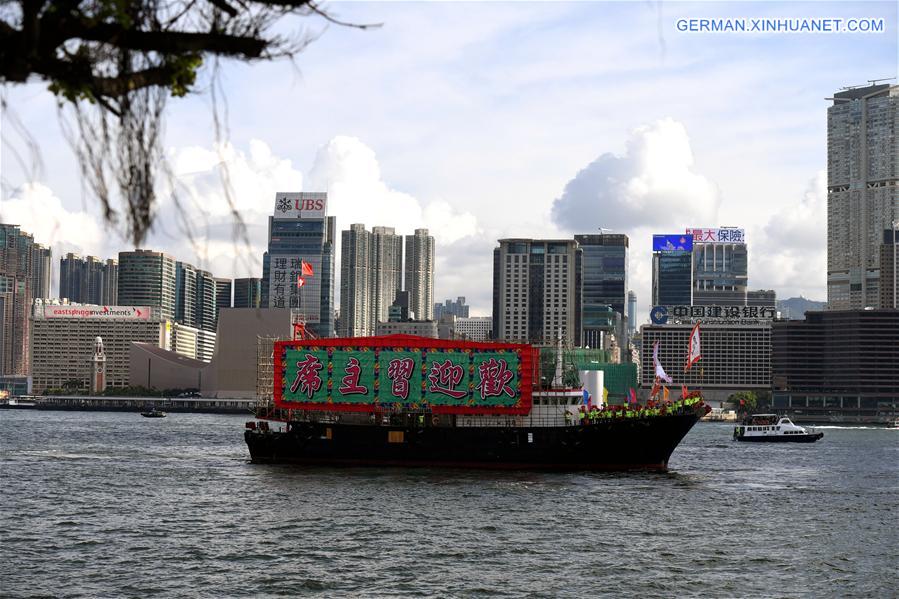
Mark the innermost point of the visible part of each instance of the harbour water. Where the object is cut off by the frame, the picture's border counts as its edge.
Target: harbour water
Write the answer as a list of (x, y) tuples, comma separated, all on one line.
[(112, 504)]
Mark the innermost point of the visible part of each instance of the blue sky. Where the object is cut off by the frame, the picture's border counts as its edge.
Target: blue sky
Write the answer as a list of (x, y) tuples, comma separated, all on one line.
[(472, 118)]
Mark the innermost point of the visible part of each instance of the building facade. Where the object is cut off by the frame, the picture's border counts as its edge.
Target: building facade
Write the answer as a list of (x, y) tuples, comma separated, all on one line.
[(421, 328), (223, 291), (735, 357), (604, 284), (537, 291), (300, 231), (419, 279), (247, 293), (631, 313), (889, 268), (720, 274), (838, 365), (386, 271), (474, 328), (672, 278), (862, 191), (64, 339)]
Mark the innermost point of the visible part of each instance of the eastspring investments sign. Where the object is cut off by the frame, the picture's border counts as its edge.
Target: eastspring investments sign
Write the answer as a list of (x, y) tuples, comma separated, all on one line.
[(95, 312)]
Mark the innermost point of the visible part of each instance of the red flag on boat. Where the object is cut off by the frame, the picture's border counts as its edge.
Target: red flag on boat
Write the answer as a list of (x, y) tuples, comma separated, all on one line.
[(306, 269), (683, 390), (632, 395), (693, 349)]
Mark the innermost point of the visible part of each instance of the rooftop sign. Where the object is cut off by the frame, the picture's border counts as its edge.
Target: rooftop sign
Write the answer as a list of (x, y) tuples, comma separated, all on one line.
[(711, 314), (672, 243), (301, 205), (723, 235)]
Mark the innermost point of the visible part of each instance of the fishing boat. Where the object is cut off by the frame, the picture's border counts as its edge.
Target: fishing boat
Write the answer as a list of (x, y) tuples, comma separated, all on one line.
[(401, 400), (771, 428)]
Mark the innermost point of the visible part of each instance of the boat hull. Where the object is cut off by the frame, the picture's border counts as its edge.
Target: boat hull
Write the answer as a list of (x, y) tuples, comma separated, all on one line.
[(781, 438), (628, 444)]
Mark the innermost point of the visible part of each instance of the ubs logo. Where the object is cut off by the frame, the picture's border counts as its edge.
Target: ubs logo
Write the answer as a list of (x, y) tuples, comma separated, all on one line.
[(659, 315)]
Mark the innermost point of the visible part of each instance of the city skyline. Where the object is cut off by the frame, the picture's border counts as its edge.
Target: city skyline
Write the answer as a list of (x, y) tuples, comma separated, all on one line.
[(713, 129)]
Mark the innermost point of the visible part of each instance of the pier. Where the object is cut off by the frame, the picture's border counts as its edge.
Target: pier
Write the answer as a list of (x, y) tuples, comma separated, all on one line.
[(132, 404)]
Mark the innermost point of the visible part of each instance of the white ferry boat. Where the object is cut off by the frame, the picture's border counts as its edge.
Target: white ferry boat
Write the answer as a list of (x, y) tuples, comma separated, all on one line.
[(771, 428)]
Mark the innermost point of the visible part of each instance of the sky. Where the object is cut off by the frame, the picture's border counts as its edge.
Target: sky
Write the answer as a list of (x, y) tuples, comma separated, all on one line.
[(486, 120)]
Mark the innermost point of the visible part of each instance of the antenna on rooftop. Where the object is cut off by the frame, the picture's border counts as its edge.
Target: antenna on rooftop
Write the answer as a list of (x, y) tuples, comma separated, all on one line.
[(876, 81)]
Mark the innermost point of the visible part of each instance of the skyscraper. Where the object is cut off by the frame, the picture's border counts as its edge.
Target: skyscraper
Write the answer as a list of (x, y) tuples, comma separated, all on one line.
[(604, 272), (672, 278), (537, 291), (889, 268), (355, 284), (16, 277), (185, 294), (419, 281), (247, 292), (41, 264), (862, 191), (148, 278), (110, 282), (223, 289), (457, 308), (300, 231)]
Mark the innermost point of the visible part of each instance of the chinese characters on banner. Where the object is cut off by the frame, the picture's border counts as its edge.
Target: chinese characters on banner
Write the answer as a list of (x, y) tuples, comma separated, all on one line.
[(408, 377)]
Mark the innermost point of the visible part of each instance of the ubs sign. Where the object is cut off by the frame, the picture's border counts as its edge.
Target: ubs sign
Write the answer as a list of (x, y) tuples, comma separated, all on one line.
[(712, 314), (301, 205)]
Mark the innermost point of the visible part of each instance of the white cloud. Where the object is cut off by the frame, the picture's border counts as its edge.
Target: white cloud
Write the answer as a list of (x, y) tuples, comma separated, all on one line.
[(789, 253), (38, 211), (652, 181)]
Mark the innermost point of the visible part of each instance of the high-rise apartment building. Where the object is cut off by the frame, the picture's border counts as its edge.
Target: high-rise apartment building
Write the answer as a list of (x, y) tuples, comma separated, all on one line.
[(537, 291), (355, 283), (371, 276), (457, 308), (41, 265), (300, 231), (862, 191), (419, 281), (247, 292), (88, 280), (387, 270), (16, 280), (148, 278)]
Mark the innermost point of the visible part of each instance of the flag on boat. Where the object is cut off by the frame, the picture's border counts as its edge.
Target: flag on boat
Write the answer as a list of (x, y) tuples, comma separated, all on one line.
[(683, 391), (660, 372), (656, 387), (605, 396), (665, 393), (586, 397), (693, 349), (305, 268), (300, 282), (632, 395)]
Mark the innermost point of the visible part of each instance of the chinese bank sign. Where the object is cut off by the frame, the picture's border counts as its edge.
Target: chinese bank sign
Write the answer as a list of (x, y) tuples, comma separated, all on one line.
[(725, 235), (300, 205), (712, 314), (98, 312), (403, 372)]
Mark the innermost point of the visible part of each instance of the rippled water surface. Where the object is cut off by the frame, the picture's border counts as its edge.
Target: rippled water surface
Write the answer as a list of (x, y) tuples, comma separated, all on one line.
[(112, 504)]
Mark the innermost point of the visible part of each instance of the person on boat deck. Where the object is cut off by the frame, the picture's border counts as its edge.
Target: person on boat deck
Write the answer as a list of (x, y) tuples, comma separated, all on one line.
[(567, 418), (421, 420)]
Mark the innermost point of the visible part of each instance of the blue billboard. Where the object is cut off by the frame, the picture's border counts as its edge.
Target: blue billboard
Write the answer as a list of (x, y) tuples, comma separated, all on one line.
[(672, 243)]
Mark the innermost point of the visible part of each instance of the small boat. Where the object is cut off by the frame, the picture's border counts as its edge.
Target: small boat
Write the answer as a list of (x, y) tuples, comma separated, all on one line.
[(770, 428), (154, 413)]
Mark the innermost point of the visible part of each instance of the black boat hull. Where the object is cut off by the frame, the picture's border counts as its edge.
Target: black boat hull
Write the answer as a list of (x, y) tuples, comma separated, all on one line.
[(625, 444), (781, 438)]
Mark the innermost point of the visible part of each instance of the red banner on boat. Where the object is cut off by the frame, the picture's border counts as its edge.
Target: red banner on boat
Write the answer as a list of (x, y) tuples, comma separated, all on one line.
[(403, 372)]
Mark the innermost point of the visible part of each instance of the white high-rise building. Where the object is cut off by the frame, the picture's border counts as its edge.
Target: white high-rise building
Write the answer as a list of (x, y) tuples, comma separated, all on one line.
[(387, 271), (371, 273), (420, 274), (862, 191)]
